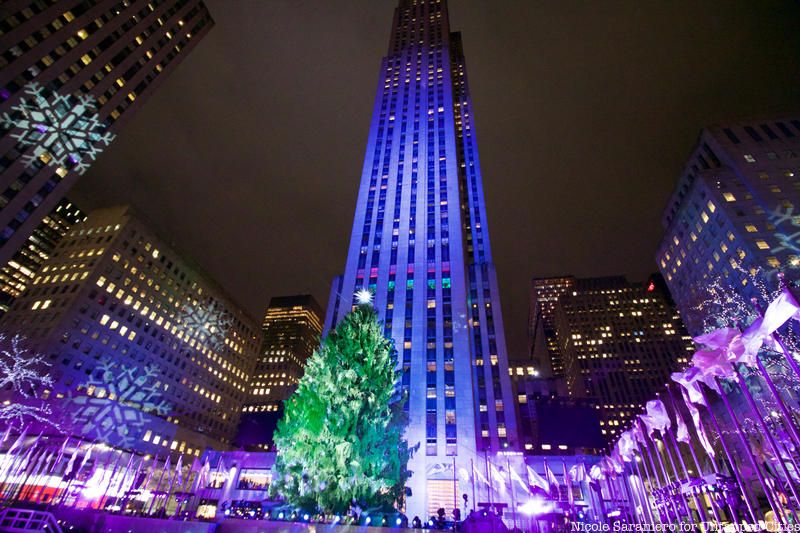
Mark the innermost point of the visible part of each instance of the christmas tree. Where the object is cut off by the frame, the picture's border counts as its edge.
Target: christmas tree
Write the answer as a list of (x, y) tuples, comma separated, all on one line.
[(340, 441)]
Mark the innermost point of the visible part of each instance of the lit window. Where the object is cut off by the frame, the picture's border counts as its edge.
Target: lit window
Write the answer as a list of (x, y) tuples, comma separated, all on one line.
[(762, 245), (729, 197), (749, 158)]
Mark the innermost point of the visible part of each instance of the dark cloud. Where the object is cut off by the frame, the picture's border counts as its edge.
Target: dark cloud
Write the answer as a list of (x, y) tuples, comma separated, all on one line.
[(249, 155)]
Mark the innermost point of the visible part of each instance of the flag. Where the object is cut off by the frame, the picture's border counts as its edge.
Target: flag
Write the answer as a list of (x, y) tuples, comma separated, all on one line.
[(71, 462), (479, 476), (535, 480), (712, 363), (626, 446), (683, 431), (690, 382), (202, 477), (18, 443), (149, 473), (85, 458), (60, 454), (577, 472), (497, 474), (552, 480), (656, 418), (698, 425), (570, 497), (516, 477), (596, 473), (179, 471)]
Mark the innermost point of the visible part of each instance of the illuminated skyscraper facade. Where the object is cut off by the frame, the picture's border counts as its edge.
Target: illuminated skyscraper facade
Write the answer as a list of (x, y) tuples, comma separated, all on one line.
[(292, 327), (17, 275), (545, 355), (733, 218), (619, 342), (147, 352), (72, 73), (291, 332), (420, 244)]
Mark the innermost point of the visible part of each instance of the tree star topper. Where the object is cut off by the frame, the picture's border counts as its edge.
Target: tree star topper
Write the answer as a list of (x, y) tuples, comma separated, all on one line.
[(364, 297)]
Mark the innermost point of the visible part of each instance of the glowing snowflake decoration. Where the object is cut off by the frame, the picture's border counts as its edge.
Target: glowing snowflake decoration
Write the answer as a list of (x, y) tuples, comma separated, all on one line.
[(122, 398), (63, 130), (209, 320), (364, 297)]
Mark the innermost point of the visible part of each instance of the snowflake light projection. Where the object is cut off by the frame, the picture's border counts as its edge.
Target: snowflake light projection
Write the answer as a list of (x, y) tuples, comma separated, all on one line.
[(210, 320), (122, 397), (64, 130)]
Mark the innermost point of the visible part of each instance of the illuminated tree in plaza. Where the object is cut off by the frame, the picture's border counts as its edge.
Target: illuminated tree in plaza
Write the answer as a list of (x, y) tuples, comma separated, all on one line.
[(23, 371), (340, 441)]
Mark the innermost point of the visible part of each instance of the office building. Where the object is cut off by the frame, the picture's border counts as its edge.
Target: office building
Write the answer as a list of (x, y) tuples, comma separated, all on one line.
[(420, 245), (291, 332), (147, 352), (733, 218), (19, 272), (543, 345), (72, 73), (619, 341)]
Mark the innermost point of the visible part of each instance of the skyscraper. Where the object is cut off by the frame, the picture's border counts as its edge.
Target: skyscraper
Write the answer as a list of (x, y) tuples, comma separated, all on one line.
[(733, 217), (545, 353), (17, 274), (420, 244), (147, 352), (73, 72), (619, 342), (291, 331)]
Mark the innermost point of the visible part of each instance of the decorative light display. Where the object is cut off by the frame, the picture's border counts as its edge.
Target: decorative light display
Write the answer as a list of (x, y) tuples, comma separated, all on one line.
[(210, 320), (121, 398), (23, 372), (63, 130), (341, 437)]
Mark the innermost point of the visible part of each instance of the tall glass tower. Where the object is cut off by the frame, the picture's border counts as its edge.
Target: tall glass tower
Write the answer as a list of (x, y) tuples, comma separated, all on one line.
[(420, 244)]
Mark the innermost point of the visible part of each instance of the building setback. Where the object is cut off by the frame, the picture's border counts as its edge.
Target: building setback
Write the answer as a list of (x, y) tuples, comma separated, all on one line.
[(19, 272), (544, 351), (733, 217), (73, 72), (420, 244), (147, 352), (620, 341), (291, 332)]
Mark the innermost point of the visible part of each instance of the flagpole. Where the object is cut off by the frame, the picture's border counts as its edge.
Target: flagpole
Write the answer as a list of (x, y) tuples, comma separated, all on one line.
[(643, 497), (489, 477), (158, 484), (511, 486), (665, 442), (472, 477), (178, 467), (455, 488), (656, 479), (746, 445), (714, 508), (701, 511), (770, 439), (676, 408), (663, 488), (102, 502)]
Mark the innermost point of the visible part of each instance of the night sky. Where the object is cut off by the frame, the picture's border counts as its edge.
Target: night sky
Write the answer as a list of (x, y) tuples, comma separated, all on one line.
[(249, 156)]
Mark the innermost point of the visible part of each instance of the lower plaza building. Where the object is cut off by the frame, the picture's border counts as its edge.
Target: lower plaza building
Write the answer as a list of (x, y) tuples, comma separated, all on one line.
[(147, 353)]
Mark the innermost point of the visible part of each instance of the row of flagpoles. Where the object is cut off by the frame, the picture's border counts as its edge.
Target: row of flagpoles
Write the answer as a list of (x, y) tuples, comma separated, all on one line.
[(80, 474), (741, 388)]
